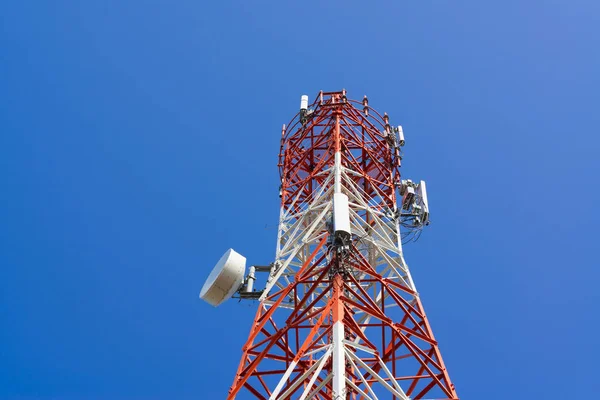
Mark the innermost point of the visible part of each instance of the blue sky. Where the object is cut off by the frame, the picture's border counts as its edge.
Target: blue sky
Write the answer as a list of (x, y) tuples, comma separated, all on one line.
[(139, 140)]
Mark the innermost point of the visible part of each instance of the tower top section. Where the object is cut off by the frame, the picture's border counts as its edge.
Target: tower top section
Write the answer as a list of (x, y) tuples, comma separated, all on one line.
[(368, 144)]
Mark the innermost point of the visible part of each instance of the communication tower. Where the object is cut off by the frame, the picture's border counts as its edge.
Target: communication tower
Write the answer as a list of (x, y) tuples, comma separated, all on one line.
[(339, 316)]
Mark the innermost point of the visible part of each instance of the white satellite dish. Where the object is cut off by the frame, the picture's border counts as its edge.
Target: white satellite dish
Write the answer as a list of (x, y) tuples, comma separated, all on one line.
[(225, 278)]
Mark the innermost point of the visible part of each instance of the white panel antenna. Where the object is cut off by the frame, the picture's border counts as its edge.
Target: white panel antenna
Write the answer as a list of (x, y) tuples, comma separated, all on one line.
[(423, 193), (400, 136), (341, 214)]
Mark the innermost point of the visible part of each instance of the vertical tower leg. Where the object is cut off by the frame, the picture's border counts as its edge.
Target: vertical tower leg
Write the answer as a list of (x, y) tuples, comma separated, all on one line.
[(339, 359)]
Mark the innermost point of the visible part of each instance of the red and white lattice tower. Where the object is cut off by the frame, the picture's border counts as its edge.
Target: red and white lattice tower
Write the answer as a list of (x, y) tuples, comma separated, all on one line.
[(340, 316)]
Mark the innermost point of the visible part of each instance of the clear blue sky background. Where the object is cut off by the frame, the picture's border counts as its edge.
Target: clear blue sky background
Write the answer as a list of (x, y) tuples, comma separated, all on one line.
[(138, 141)]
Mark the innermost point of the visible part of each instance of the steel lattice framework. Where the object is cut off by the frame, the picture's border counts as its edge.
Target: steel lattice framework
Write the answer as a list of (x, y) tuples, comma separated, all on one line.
[(337, 324)]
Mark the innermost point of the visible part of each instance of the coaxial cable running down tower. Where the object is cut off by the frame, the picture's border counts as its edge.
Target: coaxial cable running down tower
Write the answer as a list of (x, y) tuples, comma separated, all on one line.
[(339, 316)]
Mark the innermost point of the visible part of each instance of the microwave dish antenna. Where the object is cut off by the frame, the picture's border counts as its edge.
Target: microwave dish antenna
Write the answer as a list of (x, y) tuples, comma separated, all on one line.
[(225, 278)]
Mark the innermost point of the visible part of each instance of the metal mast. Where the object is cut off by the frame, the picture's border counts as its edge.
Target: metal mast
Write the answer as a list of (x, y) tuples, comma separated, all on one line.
[(340, 317)]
